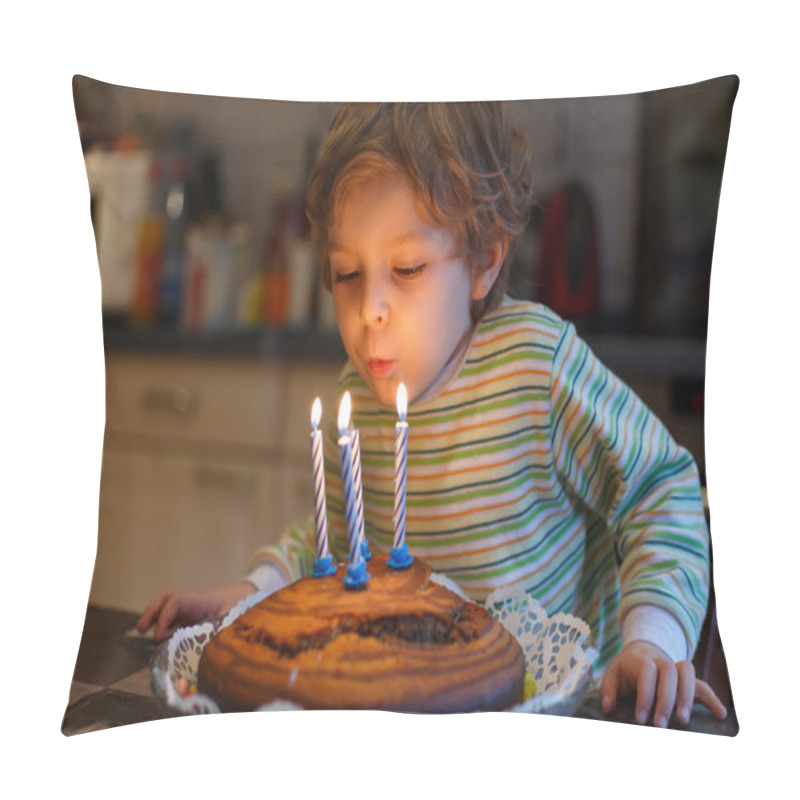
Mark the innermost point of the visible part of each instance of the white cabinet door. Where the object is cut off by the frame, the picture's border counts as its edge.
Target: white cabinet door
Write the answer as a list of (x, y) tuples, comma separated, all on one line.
[(172, 521)]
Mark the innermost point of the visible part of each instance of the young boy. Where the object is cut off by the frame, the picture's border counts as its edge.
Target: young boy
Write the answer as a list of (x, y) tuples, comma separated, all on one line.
[(529, 463)]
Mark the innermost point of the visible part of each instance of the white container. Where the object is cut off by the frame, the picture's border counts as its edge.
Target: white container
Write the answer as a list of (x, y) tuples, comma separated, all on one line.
[(119, 185)]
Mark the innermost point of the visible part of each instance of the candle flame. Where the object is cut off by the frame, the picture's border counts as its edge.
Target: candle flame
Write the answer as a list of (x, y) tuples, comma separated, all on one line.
[(344, 414), (402, 402), (316, 413)]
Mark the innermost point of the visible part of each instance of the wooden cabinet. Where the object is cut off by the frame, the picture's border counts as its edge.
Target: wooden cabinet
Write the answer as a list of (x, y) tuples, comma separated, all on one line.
[(204, 460)]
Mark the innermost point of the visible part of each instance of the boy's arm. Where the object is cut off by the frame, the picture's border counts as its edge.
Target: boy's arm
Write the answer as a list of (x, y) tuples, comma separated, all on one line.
[(178, 607), (612, 451)]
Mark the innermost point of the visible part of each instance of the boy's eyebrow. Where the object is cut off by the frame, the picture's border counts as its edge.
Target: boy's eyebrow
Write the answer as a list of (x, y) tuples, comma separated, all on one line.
[(414, 236)]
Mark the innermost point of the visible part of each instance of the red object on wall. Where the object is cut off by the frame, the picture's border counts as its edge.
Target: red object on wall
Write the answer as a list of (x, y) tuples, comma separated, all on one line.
[(568, 280)]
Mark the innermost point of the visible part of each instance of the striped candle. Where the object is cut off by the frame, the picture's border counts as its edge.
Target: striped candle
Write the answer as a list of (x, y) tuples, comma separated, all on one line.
[(348, 487), (323, 563), (318, 474), (356, 441), (400, 455)]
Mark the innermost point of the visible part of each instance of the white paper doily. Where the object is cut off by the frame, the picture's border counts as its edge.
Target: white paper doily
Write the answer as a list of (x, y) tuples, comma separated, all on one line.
[(554, 648)]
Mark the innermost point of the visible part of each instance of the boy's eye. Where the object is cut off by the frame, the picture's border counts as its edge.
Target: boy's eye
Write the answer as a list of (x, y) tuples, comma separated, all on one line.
[(345, 277), (409, 272)]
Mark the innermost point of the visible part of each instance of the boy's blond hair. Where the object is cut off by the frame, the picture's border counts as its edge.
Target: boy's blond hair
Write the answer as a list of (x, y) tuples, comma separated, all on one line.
[(467, 164)]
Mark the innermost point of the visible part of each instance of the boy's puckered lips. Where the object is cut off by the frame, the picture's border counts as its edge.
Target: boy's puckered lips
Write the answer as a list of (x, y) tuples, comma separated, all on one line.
[(380, 368)]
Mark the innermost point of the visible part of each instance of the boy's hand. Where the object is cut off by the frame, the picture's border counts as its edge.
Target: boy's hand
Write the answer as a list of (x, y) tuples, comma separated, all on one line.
[(644, 669), (175, 606)]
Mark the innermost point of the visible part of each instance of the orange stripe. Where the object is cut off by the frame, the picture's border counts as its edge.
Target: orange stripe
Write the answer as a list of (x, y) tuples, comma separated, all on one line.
[(568, 423), (529, 575), (688, 603), (497, 379), (503, 543), (388, 477), (617, 457), (564, 361), (514, 332), (452, 431), (623, 575), (555, 382), (465, 513), (650, 444), (638, 538), (600, 482)]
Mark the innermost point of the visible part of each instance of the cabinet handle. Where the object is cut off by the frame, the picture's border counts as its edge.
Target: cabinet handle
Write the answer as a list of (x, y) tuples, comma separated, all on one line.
[(181, 401)]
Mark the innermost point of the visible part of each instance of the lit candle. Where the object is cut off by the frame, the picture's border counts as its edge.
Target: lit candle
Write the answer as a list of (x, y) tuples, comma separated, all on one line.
[(323, 563), (356, 575), (356, 440), (399, 556)]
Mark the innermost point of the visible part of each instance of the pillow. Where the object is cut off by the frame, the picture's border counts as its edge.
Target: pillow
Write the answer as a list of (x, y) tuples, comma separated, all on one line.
[(218, 334)]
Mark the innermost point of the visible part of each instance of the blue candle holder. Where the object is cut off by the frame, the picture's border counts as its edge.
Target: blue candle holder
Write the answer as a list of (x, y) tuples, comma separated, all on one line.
[(365, 550), (323, 566), (357, 576), (399, 557)]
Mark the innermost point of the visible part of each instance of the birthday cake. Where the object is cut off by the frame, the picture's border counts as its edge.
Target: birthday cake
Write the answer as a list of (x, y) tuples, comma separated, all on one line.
[(401, 643)]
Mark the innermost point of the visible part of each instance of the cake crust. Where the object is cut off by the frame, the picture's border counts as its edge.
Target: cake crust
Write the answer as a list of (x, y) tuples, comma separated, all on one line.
[(402, 643)]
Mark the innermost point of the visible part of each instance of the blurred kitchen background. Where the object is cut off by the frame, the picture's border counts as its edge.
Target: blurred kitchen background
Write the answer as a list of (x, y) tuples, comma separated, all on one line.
[(218, 334)]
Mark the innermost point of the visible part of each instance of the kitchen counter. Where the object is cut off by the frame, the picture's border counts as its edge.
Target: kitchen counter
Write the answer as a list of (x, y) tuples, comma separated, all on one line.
[(111, 683), (670, 356)]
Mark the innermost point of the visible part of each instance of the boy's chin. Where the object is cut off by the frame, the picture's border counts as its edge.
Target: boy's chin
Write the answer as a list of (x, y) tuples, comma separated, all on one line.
[(384, 391)]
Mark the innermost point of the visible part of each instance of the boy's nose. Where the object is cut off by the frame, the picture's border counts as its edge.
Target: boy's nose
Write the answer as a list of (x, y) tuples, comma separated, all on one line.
[(374, 305)]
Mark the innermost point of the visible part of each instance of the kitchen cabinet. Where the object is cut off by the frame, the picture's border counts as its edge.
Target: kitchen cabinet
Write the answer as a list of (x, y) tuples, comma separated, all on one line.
[(204, 460)]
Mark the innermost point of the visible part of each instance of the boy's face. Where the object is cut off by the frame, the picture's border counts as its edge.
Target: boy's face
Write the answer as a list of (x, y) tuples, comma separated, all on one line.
[(401, 289)]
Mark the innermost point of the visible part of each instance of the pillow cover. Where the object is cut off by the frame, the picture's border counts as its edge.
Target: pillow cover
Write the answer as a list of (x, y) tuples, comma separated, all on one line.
[(218, 334)]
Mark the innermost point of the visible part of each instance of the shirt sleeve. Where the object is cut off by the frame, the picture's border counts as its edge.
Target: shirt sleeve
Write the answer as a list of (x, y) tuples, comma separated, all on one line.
[(291, 558), (613, 454), (266, 577), (652, 624)]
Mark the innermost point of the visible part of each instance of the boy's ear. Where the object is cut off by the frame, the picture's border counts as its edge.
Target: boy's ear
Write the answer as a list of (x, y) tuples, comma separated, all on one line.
[(489, 268)]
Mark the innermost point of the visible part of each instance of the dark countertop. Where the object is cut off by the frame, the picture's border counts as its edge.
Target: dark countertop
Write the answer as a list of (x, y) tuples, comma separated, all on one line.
[(294, 344), (647, 355), (111, 683)]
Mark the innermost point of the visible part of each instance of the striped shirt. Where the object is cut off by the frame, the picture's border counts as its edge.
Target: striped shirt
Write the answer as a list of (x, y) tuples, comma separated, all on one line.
[(534, 467)]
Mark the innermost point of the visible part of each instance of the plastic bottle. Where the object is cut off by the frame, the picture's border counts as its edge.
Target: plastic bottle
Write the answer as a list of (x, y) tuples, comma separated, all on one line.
[(174, 242), (219, 272), (150, 251), (276, 276), (194, 282)]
